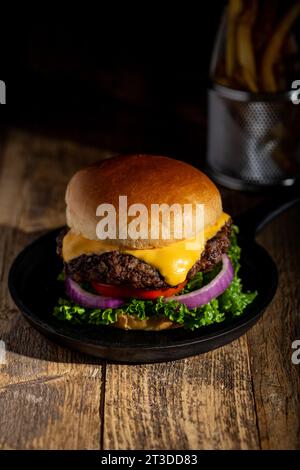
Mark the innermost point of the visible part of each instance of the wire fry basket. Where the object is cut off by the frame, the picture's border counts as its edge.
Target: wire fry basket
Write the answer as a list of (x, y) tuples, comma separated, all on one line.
[(253, 125), (253, 139)]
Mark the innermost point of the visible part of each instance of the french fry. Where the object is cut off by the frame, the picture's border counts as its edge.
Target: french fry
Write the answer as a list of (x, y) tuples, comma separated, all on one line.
[(234, 10), (245, 50), (273, 50), (224, 81)]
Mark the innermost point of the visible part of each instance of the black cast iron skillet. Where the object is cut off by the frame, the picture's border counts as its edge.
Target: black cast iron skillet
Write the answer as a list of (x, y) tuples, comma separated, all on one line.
[(34, 288)]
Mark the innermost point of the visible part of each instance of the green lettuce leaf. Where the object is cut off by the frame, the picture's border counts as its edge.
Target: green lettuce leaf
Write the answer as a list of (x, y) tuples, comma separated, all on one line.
[(231, 303)]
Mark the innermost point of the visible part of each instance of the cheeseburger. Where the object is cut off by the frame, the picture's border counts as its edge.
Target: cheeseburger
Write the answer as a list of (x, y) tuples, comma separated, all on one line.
[(150, 279)]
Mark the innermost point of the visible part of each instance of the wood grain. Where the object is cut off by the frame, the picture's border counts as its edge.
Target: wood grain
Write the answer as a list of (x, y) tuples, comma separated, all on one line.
[(276, 379), (50, 397), (204, 402)]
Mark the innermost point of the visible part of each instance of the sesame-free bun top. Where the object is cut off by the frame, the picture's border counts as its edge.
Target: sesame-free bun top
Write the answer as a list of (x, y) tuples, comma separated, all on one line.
[(144, 179)]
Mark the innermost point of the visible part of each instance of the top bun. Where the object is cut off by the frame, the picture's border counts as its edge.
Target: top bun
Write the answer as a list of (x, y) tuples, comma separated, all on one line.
[(144, 179)]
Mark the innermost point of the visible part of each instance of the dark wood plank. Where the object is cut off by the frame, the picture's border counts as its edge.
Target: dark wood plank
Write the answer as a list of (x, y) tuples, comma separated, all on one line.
[(50, 397), (276, 379), (204, 402)]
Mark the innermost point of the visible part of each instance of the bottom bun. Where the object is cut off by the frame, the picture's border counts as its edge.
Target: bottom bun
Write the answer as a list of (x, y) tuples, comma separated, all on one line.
[(130, 322)]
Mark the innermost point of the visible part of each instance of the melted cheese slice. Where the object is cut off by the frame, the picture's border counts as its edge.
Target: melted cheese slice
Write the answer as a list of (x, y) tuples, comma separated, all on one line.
[(173, 261)]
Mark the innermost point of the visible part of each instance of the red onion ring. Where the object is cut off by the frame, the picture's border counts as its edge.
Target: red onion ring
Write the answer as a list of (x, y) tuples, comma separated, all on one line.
[(212, 290), (88, 300)]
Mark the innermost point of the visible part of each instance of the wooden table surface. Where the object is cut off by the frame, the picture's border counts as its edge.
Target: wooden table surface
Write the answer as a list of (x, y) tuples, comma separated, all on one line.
[(242, 396)]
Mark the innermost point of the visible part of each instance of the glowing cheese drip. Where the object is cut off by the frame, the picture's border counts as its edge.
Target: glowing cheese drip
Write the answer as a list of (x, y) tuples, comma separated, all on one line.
[(173, 261)]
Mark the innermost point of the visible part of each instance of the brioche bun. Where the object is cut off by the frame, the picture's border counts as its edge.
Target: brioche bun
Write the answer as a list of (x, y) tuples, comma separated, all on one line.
[(144, 179)]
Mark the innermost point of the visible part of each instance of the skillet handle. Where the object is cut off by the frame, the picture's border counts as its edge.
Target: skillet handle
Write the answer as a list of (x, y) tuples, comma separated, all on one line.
[(254, 220)]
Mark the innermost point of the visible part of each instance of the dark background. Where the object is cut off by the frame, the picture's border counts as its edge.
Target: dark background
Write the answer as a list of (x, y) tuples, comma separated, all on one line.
[(127, 81)]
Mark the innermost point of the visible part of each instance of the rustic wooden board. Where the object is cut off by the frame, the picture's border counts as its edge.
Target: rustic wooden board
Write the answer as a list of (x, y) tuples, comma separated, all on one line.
[(242, 396), (276, 379), (50, 397), (204, 402)]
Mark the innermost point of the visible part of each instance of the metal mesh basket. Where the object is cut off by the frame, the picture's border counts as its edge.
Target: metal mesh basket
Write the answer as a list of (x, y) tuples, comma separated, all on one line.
[(253, 139)]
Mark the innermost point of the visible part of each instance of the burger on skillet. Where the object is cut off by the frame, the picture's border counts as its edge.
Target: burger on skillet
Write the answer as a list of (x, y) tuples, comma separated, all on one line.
[(147, 283)]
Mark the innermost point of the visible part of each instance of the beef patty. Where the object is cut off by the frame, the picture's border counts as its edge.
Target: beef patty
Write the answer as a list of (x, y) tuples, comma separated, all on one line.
[(119, 268)]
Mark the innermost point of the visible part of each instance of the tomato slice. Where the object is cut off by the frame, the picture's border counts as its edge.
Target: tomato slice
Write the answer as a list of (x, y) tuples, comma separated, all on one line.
[(109, 290)]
